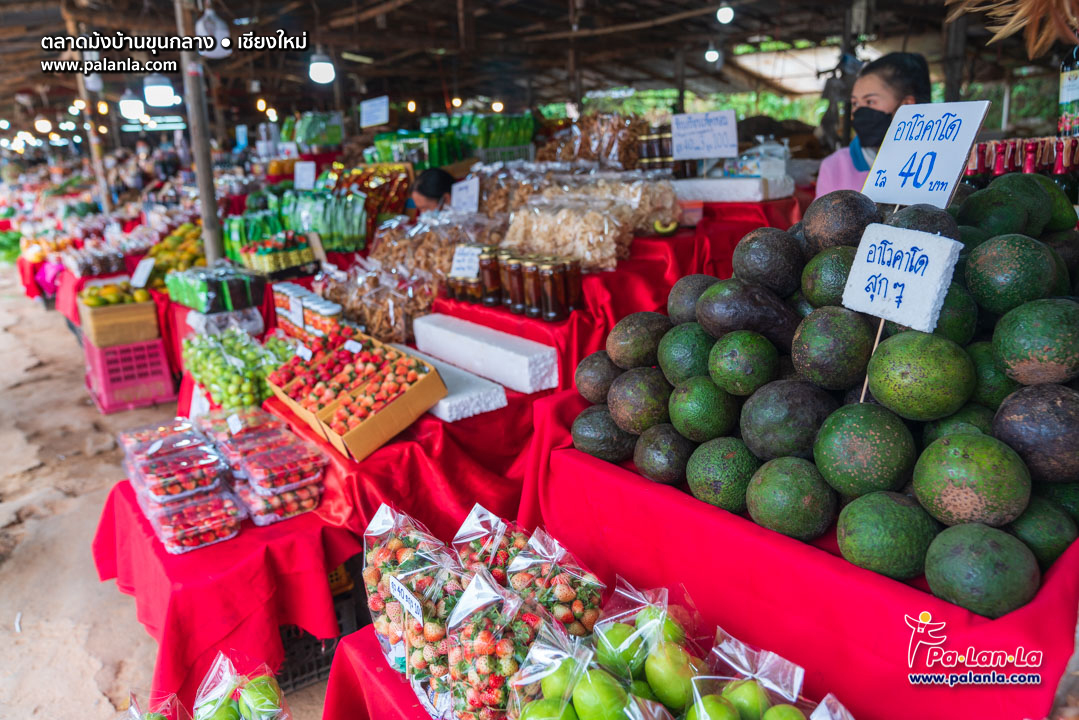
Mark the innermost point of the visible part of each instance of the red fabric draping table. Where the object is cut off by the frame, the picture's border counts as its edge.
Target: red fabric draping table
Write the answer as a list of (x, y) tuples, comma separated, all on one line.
[(364, 687), (781, 213), (68, 287), (845, 625), (27, 270), (233, 595)]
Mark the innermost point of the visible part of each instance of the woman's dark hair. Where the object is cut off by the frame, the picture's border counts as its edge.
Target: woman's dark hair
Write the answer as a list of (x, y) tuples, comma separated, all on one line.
[(433, 183), (906, 73)]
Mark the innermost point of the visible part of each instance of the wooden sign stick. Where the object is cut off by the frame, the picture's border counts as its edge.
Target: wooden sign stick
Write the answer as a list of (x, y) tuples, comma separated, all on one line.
[(865, 385)]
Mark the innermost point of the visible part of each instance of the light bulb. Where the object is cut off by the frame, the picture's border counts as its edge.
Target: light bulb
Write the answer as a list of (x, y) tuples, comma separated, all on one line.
[(497, 106), (411, 106), (102, 129), (144, 118), (4, 124), (260, 105), (321, 70), (152, 124), (158, 90), (72, 110), (131, 106), (79, 104), (456, 102), (102, 107), (725, 14), (54, 136), (77, 139), (711, 54), (42, 124)]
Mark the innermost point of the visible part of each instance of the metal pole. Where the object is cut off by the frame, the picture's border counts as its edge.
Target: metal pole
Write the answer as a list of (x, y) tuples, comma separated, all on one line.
[(197, 122), (680, 79), (91, 131)]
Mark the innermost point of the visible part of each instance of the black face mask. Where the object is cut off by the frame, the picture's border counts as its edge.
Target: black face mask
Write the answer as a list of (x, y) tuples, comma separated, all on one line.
[(871, 126)]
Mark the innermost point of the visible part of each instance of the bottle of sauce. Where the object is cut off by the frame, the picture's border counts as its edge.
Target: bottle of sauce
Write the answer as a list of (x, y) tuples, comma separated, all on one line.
[(533, 288), (504, 277), (574, 289), (491, 276), (552, 279), (516, 288)]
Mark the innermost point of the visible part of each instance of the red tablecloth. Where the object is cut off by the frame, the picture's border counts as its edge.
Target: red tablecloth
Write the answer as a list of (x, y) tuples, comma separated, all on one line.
[(364, 687), (780, 213), (233, 595), (68, 287), (845, 625), (27, 270)]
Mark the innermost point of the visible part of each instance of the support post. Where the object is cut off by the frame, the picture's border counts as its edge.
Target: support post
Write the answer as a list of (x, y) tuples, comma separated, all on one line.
[(213, 82), (680, 79), (954, 55), (1006, 105), (88, 119), (197, 122)]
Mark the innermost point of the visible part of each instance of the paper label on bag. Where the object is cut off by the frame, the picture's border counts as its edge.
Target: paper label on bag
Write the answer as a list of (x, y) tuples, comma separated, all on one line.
[(234, 423), (901, 275), (696, 136), (142, 272), (409, 602), (352, 346), (304, 352), (375, 111), (465, 195), (925, 152), (466, 261), (303, 175)]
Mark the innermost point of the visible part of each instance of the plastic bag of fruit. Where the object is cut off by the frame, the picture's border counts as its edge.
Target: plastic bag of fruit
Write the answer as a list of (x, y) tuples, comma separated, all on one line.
[(225, 426), (157, 706), (543, 686), (547, 573), (226, 693), (139, 439), (490, 633), (398, 550), (485, 540)]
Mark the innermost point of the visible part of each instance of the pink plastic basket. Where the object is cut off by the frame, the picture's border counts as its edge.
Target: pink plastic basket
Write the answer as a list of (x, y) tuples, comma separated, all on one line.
[(123, 377)]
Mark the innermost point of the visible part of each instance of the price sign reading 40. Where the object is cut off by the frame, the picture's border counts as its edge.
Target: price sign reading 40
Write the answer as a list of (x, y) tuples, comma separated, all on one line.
[(924, 153)]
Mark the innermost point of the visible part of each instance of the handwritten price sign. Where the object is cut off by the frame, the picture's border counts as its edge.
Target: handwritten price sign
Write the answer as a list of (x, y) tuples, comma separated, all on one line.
[(901, 275), (924, 153)]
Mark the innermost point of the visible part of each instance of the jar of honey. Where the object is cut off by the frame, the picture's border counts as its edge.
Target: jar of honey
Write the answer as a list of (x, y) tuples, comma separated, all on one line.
[(553, 282), (491, 277), (533, 288)]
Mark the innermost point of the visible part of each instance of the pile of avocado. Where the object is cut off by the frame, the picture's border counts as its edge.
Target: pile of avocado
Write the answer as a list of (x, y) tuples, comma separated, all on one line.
[(961, 464)]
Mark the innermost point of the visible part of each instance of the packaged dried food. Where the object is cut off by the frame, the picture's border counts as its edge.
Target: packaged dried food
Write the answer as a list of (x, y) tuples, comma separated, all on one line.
[(266, 510), (596, 232), (284, 468), (176, 475)]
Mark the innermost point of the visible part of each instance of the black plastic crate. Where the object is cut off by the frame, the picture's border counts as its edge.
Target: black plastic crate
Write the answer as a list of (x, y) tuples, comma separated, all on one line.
[(308, 659)]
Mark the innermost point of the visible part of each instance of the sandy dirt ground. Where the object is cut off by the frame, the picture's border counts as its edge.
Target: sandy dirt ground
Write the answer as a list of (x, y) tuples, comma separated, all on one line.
[(73, 647)]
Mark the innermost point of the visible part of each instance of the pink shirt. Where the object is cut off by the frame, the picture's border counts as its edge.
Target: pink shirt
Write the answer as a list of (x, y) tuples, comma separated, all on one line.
[(837, 172)]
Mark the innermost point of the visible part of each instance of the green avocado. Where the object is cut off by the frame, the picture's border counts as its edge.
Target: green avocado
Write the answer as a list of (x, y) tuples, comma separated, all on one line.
[(638, 399), (971, 237), (920, 376), (971, 478), (958, 319), (1064, 495), (1062, 216), (831, 347), (735, 304), (682, 300), (994, 211), (742, 361), (1062, 285), (886, 532), (789, 496), (1038, 342), (595, 433), (1029, 193), (1009, 270), (783, 417), (971, 418), (661, 454), (719, 472), (799, 304), (863, 448), (982, 569), (1046, 529), (991, 384), (1066, 245), (683, 352), (825, 276), (769, 257), (701, 410), (634, 340), (594, 376)]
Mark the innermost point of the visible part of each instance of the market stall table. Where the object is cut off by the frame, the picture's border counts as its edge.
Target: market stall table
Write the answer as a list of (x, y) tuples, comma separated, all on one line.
[(363, 686), (230, 596), (780, 213), (847, 626), (68, 287), (28, 276)]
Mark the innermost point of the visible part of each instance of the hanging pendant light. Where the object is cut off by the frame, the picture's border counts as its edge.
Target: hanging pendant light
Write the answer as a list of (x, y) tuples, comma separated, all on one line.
[(131, 105), (711, 54), (42, 125), (210, 25), (321, 70), (158, 90)]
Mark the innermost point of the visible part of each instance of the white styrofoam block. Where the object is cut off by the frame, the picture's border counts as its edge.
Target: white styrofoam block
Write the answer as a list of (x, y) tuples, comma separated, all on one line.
[(517, 363), (466, 394), (733, 189)]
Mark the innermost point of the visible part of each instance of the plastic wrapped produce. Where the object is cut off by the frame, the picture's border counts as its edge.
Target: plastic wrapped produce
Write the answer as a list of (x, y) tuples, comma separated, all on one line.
[(596, 232), (283, 468), (225, 693), (142, 437), (177, 475), (199, 521), (268, 509), (547, 573), (235, 449), (226, 426), (549, 673), (485, 541), (650, 196), (159, 706), (427, 667)]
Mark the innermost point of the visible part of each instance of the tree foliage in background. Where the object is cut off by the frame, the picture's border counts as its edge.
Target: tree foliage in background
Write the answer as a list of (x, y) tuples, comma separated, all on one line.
[(1033, 103)]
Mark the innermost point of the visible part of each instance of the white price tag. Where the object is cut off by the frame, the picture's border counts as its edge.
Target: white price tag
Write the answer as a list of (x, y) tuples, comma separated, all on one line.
[(375, 111), (466, 261), (295, 311), (303, 175), (901, 275), (200, 403), (234, 423), (353, 347), (465, 195), (142, 272), (409, 601), (304, 352), (695, 136), (924, 153)]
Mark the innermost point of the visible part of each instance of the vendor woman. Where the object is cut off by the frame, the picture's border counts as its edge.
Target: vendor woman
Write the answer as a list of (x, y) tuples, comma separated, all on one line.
[(432, 190), (882, 86)]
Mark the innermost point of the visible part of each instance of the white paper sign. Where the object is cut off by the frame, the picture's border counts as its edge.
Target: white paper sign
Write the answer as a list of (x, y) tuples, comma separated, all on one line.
[(303, 175), (466, 261), (304, 352), (465, 195), (352, 346), (142, 272), (901, 275), (924, 153), (409, 601), (695, 136), (234, 423), (288, 149), (375, 111), (200, 403)]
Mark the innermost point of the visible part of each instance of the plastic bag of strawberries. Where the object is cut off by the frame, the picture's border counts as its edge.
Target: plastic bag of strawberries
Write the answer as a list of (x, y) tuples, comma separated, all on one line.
[(398, 550), (485, 540), (491, 631), (155, 707)]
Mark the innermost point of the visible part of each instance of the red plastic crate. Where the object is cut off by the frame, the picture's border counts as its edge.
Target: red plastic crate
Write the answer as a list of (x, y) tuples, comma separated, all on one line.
[(123, 377)]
